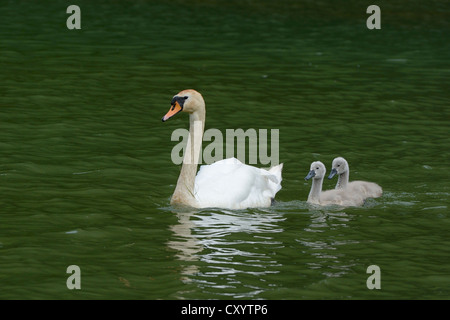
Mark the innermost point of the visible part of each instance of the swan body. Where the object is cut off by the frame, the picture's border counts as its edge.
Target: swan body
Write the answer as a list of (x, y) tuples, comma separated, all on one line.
[(364, 188), (231, 184), (228, 183), (328, 197)]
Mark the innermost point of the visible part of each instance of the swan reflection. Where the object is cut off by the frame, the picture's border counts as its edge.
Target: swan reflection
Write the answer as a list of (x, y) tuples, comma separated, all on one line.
[(326, 253), (243, 254), (219, 246)]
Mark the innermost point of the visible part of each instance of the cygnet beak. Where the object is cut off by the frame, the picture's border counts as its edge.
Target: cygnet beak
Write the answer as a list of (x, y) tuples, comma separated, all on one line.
[(311, 174), (332, 173)]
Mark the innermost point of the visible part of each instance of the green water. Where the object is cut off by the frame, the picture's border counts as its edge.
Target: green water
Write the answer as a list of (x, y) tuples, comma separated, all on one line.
[(85, 168)]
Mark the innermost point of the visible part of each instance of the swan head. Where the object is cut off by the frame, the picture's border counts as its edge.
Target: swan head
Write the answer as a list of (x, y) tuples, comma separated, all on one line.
[(189, 101), (316, 171), (339, 166)]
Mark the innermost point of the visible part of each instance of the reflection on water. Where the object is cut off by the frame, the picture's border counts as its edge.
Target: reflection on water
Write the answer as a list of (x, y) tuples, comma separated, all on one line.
[(186, 245), (240, 254), (325, 252), (324, 220), (230, 243)]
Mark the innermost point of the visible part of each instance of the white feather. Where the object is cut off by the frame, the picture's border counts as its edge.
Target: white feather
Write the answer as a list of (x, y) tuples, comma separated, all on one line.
[(232, 184), (229, 183)]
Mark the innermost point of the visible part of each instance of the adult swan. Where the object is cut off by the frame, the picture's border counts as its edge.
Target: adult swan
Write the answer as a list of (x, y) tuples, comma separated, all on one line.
[(228, 183)]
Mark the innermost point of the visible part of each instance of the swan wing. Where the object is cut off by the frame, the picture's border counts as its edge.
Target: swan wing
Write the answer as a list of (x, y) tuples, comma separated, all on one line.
[(232, 184)]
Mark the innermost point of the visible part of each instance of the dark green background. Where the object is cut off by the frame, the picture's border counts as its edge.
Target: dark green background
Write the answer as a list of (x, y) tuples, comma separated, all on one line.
[(85, 169)]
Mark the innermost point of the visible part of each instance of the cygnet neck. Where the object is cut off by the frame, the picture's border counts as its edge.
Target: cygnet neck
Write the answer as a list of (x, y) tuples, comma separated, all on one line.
[(343, 179), (316, 189)]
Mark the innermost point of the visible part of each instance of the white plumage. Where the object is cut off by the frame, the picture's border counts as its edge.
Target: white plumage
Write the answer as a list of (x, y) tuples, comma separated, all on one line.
[(232, 184), (228, 183)]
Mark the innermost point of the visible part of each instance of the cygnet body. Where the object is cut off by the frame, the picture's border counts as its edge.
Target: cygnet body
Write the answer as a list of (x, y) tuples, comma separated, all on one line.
[(328, 197), (364, 188)]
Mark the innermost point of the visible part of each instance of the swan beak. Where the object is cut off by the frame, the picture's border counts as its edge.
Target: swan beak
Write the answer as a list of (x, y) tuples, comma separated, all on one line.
[(311, 174), (174, 109), (332, 173)]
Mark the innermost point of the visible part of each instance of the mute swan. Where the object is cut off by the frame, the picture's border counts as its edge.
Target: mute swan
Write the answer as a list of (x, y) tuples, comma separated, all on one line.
[(328, 197), (366, 189), (228, 183)]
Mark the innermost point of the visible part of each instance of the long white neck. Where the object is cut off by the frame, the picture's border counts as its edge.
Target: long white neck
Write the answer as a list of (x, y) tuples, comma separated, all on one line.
[(316, 189), (184, 191), (343, 179)]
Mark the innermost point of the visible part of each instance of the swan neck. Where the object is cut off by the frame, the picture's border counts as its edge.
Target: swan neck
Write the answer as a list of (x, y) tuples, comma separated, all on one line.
[(184, 191)]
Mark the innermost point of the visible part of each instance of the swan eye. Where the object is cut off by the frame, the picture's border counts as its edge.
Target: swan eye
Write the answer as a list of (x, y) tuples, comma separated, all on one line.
[(317, 168), (185, 97), (338, 165)]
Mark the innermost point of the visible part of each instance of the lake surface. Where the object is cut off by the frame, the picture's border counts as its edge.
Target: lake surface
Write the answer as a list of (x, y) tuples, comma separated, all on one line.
[(85, 161)]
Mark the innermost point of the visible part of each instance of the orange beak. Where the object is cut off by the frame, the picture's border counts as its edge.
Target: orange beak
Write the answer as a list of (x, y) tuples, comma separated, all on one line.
[(173, 111)]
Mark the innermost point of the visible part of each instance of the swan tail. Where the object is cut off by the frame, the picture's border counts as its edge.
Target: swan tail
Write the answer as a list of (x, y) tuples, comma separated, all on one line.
[(276, 171), (274, 177)]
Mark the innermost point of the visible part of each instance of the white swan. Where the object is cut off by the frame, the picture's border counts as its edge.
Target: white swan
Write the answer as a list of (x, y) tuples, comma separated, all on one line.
[(366, 189), (226, 183), (328, 197)]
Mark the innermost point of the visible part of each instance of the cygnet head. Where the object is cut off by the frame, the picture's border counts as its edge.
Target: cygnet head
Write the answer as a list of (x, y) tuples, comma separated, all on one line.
[(339, 166), (317, 171), (189, 101)]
